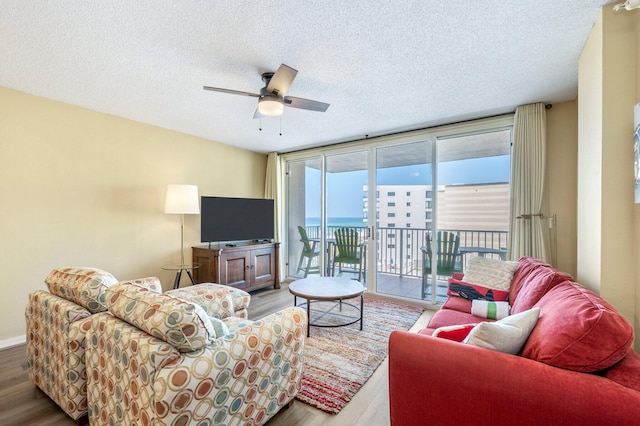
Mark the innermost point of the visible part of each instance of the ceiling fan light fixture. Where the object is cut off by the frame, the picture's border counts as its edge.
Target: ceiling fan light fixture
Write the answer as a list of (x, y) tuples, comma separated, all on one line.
[(269, 106)]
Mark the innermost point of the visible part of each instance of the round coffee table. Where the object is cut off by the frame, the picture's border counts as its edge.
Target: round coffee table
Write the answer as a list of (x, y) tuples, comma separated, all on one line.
[(323, 289)]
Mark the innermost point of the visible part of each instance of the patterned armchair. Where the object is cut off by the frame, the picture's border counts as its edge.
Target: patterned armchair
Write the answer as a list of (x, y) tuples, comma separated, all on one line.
[(57, 322), (217, 300), (165, 360)]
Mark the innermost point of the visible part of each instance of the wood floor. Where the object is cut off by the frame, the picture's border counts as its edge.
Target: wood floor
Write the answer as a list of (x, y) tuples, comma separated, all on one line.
[(21, 403)]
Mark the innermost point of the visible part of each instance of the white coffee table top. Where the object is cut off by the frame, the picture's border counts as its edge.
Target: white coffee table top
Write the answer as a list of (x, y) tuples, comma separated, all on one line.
[(326, 288)]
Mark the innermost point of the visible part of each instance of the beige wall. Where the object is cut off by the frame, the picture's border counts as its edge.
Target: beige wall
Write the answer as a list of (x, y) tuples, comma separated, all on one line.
[(562, 182), (82, 188), (636, 207), (606, 221), (589, 220)]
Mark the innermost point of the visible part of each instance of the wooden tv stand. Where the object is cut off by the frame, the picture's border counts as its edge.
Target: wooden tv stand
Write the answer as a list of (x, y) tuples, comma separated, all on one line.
[(248, 266)]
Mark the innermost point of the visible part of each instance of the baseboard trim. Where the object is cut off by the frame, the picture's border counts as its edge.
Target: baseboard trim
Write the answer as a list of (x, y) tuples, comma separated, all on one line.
[(14, 341)]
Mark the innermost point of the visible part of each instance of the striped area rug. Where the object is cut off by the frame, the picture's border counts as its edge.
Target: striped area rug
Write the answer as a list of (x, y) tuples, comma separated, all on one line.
[(338, 361)]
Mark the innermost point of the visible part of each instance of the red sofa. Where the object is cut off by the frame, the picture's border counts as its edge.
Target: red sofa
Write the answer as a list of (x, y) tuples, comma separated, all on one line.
[(576, 368)]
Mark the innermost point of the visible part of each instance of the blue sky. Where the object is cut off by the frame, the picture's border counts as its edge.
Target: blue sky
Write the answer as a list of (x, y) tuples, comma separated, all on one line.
[(344, 190)]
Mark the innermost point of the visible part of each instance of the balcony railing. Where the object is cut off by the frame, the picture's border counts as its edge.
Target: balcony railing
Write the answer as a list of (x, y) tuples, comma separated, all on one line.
[(399, 249)]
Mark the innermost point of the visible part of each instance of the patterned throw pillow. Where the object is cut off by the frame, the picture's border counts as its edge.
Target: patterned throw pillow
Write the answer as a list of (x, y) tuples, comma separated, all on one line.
[(491, 273), (216, 300), (507, 335), (182, 324), (82, 286), (152, 283), (471, 291)]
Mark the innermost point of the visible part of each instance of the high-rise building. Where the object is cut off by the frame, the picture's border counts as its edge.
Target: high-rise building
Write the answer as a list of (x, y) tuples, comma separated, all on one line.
[(478, 213), (469, 207)]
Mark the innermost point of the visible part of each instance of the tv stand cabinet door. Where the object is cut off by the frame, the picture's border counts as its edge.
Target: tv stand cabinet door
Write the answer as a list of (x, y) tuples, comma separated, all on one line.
[(263, 267), (208, 270), (235, 268)]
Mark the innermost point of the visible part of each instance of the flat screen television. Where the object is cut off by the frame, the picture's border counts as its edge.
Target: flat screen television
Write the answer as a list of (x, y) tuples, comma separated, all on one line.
[(235, 219)]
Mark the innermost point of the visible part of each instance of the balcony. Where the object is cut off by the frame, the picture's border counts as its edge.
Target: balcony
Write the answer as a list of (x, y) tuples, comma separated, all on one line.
[(399, 257)]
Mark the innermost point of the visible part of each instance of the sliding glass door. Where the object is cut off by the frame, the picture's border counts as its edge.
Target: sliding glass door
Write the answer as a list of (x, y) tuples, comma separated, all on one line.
[(346, 181), (473, 174), (420, 205), (403, 201), (304, 216), (325, 196)]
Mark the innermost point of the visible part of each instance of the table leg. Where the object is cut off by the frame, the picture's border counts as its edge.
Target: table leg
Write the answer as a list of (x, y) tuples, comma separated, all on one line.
[(193, 282), (308, 316), (176, 282), (361, 309)]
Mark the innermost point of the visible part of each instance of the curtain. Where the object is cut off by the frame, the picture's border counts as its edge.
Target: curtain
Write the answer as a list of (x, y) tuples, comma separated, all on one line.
[(528, 236), (273, 189)]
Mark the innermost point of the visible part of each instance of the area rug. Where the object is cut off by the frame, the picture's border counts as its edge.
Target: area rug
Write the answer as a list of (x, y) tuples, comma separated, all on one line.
[(338, 361)]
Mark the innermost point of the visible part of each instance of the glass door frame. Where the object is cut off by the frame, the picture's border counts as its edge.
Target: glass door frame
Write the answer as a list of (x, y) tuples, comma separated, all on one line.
[(370, 145)]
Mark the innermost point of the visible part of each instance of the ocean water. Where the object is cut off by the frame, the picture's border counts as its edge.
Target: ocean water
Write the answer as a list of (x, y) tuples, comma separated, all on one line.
[(337, 221)]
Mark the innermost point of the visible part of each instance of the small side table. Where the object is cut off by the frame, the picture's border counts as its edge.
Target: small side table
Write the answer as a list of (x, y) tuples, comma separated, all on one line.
[(179, 269), (331, 289)]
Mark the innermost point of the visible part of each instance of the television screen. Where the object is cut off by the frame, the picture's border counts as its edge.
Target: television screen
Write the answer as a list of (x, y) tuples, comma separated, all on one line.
[(235, 219)]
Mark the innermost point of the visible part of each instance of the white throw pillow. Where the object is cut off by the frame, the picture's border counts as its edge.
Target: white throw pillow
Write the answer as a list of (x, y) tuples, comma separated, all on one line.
[(507, 335), (490, 309), (491, 273)]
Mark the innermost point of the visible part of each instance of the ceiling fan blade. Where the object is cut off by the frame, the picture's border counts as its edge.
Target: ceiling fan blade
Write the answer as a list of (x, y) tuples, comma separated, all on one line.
[(281, 80), (301, 103), (233, 92)]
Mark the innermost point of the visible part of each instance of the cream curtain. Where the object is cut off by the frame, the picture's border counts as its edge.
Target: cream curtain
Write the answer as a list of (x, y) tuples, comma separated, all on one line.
[(273, 189), (528, 235)]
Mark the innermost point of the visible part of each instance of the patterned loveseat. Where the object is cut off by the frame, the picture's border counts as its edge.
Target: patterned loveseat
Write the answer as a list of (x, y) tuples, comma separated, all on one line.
[(162, 359)]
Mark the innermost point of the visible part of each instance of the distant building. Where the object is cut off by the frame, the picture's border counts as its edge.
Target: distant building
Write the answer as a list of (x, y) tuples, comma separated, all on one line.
[(472, 207), (403, 206), (465, 208)]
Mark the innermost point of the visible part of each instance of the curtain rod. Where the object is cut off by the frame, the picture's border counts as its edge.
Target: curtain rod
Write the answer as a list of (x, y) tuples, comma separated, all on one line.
[(400, 132)]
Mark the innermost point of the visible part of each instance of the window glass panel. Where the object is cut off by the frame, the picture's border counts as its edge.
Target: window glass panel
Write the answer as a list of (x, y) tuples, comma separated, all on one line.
[(473, 192), (403, 176), (303, 210)]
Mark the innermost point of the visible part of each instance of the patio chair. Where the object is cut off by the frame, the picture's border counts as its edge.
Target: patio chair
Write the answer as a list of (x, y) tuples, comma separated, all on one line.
[(349, 250), (449, 258), (310, 251)]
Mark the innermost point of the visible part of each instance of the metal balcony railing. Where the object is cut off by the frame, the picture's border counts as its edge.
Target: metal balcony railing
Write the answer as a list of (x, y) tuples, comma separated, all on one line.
[(399, 249)]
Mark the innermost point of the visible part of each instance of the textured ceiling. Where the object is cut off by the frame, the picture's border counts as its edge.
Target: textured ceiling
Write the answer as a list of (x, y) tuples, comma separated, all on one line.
[(383, 66)]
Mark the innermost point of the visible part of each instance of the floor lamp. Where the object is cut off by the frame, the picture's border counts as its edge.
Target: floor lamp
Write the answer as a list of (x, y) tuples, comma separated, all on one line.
[(182, 199)]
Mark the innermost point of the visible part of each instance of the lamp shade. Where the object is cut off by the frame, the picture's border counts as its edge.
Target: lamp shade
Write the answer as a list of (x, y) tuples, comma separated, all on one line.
[(181, 199)]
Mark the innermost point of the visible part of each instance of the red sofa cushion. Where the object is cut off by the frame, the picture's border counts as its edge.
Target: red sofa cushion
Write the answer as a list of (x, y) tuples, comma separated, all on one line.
[(532, 280), (445, 317), (626, 372), (578, 330), (457, 304)]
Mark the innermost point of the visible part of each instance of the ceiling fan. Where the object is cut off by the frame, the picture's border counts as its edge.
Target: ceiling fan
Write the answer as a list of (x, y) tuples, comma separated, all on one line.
[(272, 99)]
